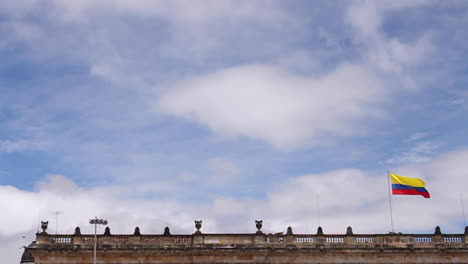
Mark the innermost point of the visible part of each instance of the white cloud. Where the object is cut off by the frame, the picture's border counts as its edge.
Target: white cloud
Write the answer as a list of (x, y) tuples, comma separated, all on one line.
[(192, 12), (290, 111), (179, 11), (12, 246), (20, 31), (421, 152), (58, 184), (192, 23), (225, 206), (389, 54), (417, 136), (395, 56), (98, 28), (223, 169), (59, 193), (268, 103), (360, 199), (17, 8), (19, 145), (367, 16)]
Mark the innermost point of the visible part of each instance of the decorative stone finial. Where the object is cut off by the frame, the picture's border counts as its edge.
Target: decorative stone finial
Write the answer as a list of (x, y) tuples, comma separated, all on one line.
[(198, 225), (167, 232), (289, 231), (44, 225), (137, 231), (77, 231), (437, 231), (319, 231), (107, 231), (259, 224), (349, 231)]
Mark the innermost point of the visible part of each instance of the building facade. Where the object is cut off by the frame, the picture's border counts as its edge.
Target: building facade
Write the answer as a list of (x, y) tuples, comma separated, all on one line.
[(256, 247)]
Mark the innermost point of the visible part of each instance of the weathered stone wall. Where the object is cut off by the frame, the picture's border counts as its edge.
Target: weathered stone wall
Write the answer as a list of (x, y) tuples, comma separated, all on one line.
[(251, 248), (253, 256)]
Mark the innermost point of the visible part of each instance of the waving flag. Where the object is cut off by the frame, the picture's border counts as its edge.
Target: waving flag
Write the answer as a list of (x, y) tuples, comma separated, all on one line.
[(408, 186)]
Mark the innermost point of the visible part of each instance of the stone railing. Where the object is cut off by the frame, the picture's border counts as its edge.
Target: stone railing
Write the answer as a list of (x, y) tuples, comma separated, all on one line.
[(115, 240), (257, 240)]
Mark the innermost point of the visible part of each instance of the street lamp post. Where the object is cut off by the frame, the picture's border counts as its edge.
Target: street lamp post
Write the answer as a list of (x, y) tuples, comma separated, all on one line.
[(96, 222)]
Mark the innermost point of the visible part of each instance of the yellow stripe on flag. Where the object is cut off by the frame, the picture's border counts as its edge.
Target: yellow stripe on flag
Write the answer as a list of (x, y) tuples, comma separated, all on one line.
[(415, 182)]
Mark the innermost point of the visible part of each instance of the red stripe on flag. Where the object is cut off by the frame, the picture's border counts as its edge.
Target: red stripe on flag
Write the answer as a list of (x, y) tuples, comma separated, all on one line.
[(410, 192)]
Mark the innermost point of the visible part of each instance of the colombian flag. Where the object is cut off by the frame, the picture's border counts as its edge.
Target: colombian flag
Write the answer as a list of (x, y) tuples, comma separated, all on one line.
[(408, 186)]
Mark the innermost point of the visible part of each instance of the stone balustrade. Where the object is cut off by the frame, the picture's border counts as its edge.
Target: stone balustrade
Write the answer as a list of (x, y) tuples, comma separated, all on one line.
[(256, 240), (258, 247)]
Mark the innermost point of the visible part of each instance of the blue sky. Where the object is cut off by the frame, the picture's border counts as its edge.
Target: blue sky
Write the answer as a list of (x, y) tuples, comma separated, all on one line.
[(230, 111)]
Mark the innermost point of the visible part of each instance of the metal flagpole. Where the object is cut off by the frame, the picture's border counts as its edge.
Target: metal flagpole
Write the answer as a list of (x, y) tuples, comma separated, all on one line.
[(390, 200), (463, 209), (318, 210), (95, 239), (38, 219), (56, 213)]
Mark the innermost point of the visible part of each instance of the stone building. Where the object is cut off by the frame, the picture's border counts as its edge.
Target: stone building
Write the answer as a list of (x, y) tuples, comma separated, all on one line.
[(247, 248)]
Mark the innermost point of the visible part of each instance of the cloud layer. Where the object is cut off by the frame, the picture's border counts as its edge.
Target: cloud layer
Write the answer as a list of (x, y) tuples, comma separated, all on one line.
[(360, 197), (284, 109)]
